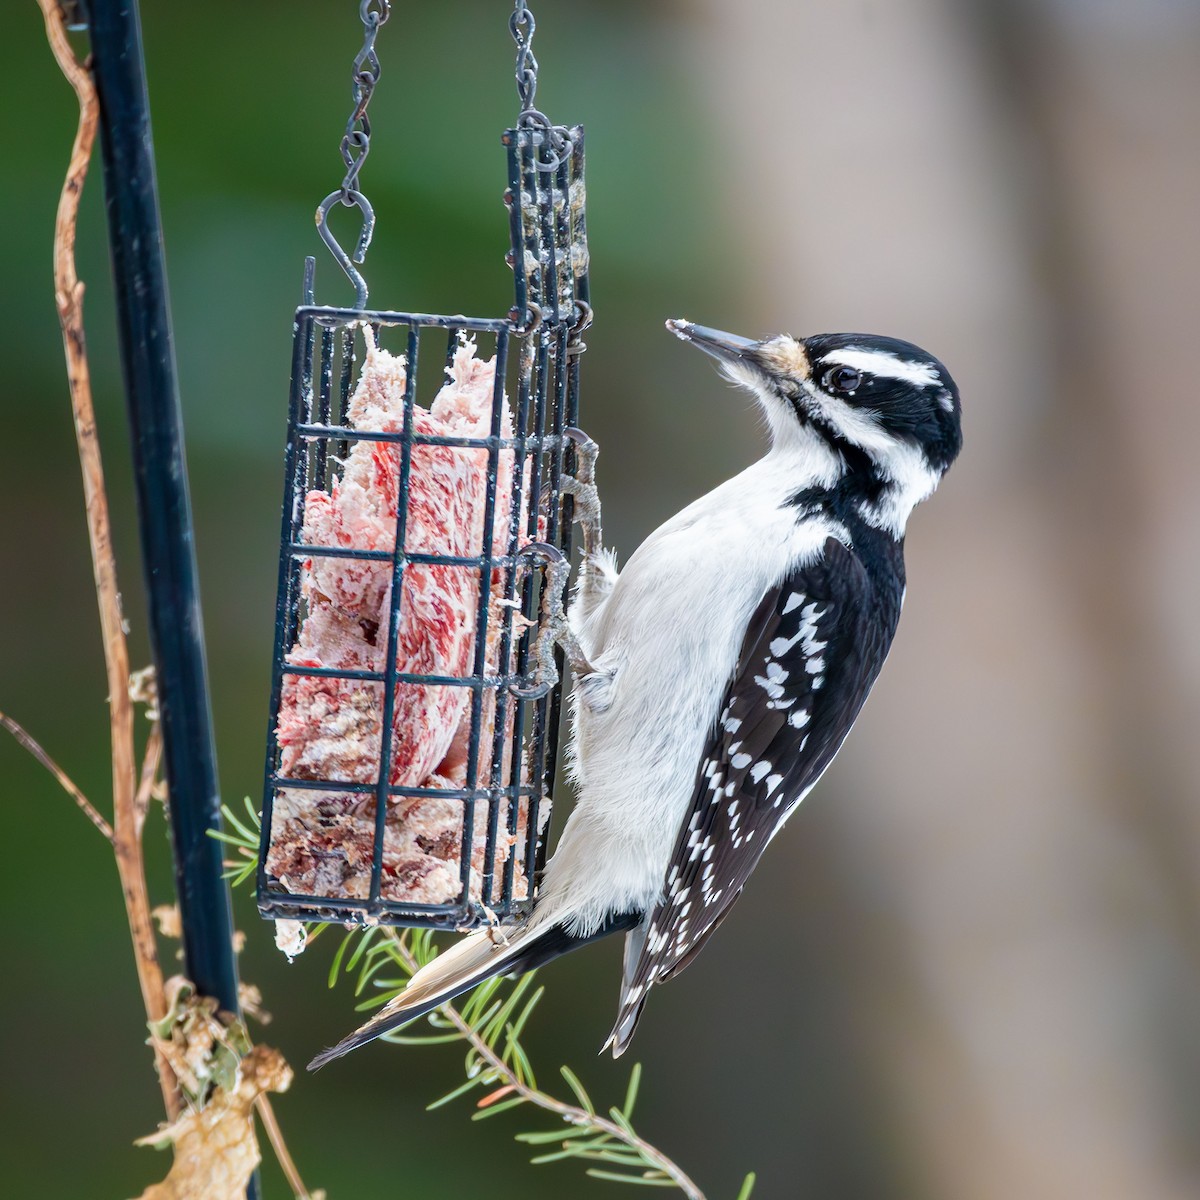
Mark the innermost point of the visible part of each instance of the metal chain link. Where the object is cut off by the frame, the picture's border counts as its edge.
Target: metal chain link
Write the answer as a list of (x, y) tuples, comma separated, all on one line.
[(355, 146), (557, 137), (356, 143)]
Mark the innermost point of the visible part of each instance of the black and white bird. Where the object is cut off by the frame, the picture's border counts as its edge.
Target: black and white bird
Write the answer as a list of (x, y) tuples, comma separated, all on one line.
[(718, 674)]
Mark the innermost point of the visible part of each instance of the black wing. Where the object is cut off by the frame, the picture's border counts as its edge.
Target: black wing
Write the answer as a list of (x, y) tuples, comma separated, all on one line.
[(812, 651)]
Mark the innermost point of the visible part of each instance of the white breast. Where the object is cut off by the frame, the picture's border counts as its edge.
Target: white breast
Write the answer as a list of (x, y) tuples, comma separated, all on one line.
[(664, 645)]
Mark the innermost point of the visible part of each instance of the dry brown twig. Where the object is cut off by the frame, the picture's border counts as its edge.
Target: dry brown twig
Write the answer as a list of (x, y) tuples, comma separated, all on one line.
[(151, 761), (266, 1114), (26, 741), (126, 835), (225, 1120)]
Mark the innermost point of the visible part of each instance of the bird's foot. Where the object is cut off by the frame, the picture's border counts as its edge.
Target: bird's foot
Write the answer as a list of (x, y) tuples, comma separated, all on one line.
[(581, 486), (553, 627)]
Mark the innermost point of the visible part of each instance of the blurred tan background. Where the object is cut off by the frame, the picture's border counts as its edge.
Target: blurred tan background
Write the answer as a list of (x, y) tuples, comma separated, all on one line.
[(968, 971)]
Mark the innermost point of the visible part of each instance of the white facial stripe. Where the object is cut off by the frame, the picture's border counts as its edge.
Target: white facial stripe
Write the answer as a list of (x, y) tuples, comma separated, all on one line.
[(912, 481), (902, 463), (858, 425), (888, 366)]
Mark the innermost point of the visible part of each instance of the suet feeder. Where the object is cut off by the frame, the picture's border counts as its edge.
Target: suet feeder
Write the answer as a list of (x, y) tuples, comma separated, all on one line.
[(411, 742)]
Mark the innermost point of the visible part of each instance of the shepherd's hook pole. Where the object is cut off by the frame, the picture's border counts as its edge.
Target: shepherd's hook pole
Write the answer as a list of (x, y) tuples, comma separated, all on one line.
[(164, 507)]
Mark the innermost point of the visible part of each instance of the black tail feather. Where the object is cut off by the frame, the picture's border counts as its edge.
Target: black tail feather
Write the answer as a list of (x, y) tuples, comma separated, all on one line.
[(557, 941), (369, 1032), (550, 944)]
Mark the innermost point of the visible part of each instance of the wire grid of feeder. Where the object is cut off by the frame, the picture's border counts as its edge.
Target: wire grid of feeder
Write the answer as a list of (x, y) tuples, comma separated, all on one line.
[(509, 774)]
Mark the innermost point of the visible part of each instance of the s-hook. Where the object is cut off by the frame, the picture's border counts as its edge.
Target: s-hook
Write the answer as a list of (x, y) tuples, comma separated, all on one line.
[(356, 145)]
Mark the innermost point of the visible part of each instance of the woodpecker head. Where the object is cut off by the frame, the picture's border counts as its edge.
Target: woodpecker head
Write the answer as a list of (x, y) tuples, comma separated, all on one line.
[(887, 410)]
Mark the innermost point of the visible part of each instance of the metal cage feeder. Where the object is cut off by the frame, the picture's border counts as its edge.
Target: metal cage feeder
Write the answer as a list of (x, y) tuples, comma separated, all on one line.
[(411, 750)]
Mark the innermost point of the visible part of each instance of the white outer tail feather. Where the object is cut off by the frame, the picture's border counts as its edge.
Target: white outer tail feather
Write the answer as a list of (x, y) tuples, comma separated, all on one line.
[(459, 961)]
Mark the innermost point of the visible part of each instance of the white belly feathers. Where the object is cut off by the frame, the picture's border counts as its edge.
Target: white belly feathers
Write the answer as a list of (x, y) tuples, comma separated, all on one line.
[(664, 653)]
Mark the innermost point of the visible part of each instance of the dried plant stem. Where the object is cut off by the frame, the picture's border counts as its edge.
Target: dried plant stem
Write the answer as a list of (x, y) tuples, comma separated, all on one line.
[(151, 760), (266, 1114), (68, 294), (26, 741), (510, 1085)]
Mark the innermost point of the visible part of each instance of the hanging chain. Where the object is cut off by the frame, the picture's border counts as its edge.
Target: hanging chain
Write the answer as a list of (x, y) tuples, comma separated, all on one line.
[(558, 139), (356, 145)]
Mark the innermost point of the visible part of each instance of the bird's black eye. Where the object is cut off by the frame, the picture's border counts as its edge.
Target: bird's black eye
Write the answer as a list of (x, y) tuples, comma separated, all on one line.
[(842, 379)]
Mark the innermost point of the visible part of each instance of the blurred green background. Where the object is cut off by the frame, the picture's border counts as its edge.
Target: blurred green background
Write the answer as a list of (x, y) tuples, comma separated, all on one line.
[(969, 969)]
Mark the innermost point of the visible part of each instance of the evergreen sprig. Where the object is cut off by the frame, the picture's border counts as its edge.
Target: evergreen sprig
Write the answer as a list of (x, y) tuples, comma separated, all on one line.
[(490, 1022), (242, 835), (380, 962)]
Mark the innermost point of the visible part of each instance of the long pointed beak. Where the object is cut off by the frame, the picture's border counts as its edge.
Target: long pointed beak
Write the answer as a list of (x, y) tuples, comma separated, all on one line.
[(727, 347)]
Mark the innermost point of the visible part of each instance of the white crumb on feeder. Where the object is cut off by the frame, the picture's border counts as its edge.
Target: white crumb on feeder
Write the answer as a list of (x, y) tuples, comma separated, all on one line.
[(329, 730), (291, 937)]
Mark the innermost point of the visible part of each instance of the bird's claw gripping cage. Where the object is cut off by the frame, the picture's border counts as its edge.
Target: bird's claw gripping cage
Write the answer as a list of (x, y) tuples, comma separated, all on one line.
[(413, 727)]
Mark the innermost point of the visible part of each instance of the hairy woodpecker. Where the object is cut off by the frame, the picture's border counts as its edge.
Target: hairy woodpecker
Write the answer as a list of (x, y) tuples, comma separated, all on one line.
[(717, 675)]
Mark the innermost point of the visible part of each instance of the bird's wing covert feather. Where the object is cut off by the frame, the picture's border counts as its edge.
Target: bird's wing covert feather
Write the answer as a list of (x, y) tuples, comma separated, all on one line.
[(811, 653)]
